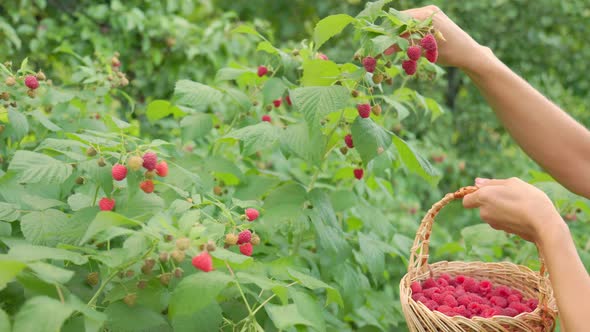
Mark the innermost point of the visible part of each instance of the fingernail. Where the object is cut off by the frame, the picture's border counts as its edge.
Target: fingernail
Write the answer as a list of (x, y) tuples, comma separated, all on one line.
[(480, 181)]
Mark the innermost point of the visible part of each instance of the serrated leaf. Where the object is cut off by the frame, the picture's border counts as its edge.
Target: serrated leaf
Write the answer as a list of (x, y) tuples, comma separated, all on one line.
[(273, 89), (319, 72), (18, 126), (261, 281), (206, 319), (196, 292), (381, 43), (44, 120), (258, 137), (435, 109), (196, 95), (196, 126), (414, 162), (267, 47), (373, 253), (123, 318), (330, 236), (330, 26), (369, 138), (51, 273), (30, 253), (36, 167), (226, 74), (400, 108), (247, 30), (9, 212), (309, 308), (305, 143), (10, 33), (105, 220), (9, 269), (159, 109), (286, 316), (44, 228), (317, 102), (373, 9), (284, 203), (51, 312), (231, 257)]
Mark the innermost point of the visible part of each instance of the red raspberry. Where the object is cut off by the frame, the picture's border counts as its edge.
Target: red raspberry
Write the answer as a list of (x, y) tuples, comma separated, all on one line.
[(288, 99), (438, 298), (244, 237), (460, 279), (369, 63), (446, 277), (262, 70), (490, 312), (442, 282), (252, 214), (445, 309), (414, 52), (348, 141), (119, 172), (266, 118), (358, 173), (410, 66), (459, 291), (429, 283), (162, 169), (322, 56), (502, 291), (422, 298), (150, 160), (450, 301), (431, 305), (364, 110), (106, 204), (513, 298), (516, 293), (519, 307), (246, 249), (485, 286), (429, 43), (510, 312), (416, 287), (31, 82), (203, 262), (430, 291), (147, 186), (463, 300), (475, 308), (416, 296), (499, 301), (471, 285), (532, 303), (277, 102), (431, 55), (462, 311), (476, 298)]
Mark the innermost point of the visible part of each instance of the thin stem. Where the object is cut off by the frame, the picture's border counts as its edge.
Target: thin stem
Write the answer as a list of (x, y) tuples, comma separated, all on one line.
[(270, 298), (59, 293), (239, 288)]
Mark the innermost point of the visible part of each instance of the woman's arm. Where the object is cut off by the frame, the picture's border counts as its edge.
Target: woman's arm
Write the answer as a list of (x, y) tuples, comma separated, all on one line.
[(517, 207), (545, 132)]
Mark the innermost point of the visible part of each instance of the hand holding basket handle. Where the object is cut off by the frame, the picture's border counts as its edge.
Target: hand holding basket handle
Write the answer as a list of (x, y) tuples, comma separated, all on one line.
[(531, 284)]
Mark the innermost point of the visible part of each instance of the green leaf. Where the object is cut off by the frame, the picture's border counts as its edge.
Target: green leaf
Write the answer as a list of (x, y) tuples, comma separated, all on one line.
[(369, 138), (247, 30), (4, 321), (30, 253), (196, 126), (226, 74), (305, 143), (159, 109), (204, 320), (36, 167), (9, 269), (414, 162), (319, 72), (330, 26), (330, 236), (45, 228), (9, 212), (284, 203), (231, 257), (381, 43), (18, 126), (317, 102), (51, 273), (259, 137), (373, 9), (267, 47), (105, 220), (196, 95), (122, 318), (41, 314), (309, 308), (285, 316), (261, 281), (273, 89), (10, 34), (434, 108), (44, 120), (373, 253), (196, 292), (307, 280)]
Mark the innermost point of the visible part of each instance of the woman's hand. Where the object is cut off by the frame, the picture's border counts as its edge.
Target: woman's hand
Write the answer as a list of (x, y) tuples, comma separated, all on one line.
[(514, 206), (458, 48)]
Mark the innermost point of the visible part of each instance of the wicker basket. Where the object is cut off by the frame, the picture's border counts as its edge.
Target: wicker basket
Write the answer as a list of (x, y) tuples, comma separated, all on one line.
[(531, 284)]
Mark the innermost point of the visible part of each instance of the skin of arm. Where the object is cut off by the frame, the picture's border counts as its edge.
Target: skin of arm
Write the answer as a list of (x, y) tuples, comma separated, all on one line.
[(545, 132), (517, 207)]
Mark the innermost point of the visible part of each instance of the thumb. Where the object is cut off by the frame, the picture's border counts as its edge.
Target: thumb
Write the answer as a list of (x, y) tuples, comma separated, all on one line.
[(472, 200)]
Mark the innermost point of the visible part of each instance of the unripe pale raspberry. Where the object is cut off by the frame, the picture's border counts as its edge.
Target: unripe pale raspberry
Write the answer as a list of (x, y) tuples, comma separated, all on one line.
[(203, 262), (178, 272), (164, 257), (252, 214), (119, 172), (40, 76), (10, 81), (135, 163), (262, 70), (162, 169), (150, 175), (150, 160), (348, 141), (358, 173), (246, 249), (255, 240), (211, 246), (244, 237), (106, 204), (266, 118), (376, 109), (130, 299), (178, 256), (92, 279), (410, 66), (231, 239), (31, 82), (431, 55), (364, 110), (414, 52), (147, 186), (183, 243), (369, 63), (165, 278), (429, 43)]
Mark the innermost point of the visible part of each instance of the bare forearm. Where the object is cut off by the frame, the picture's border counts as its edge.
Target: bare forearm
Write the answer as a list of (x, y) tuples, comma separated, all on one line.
[(545, 132), (570, 281)]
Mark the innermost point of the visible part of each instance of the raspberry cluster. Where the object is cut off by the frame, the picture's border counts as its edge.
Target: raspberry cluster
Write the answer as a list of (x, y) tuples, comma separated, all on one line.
[(427, 45), (468, 297), (245, 240)]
